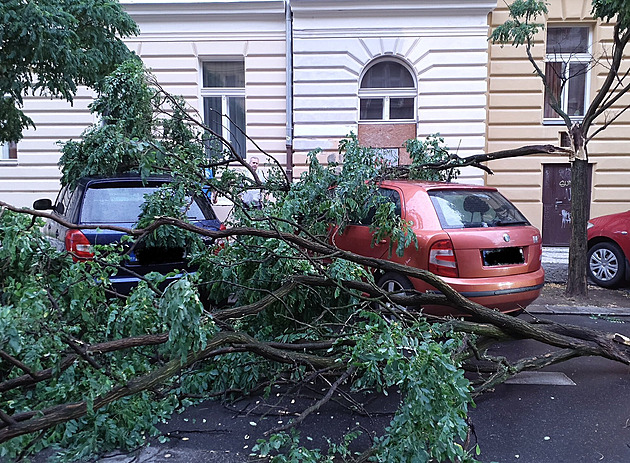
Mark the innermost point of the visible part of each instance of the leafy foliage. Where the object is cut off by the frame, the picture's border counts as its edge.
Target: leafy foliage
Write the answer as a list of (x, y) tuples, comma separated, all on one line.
[(53, 46), (285, 448), (432, 416), (431, 421), (613, 10), (48, 304), (520, 28), (121, 143), (51, 306), (427, 152)]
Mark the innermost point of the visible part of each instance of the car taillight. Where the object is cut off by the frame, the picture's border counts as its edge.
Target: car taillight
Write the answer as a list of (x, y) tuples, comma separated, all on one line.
[(220, 243), (442, 260), (78, 245)]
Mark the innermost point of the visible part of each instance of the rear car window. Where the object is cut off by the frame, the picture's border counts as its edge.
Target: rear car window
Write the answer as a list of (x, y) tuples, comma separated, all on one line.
[(475, 209), (122, 205)]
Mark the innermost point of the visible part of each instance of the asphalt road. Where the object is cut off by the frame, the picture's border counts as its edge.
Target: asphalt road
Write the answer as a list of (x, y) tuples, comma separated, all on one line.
[(582, 415)]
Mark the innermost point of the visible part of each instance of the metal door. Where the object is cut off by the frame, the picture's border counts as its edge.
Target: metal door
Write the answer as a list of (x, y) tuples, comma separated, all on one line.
[(557, 204)]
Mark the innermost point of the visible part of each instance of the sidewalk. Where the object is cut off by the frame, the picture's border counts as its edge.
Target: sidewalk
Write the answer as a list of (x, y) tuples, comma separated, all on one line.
[(555, 255), (611, 302), (555, 261)]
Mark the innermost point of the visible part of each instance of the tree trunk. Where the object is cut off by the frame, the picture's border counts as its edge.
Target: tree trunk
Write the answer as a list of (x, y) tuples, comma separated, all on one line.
[(580, 208)]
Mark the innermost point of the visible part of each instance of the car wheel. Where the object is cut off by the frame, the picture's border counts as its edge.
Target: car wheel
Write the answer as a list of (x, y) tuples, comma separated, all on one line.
[(392, 282), (606, 264)]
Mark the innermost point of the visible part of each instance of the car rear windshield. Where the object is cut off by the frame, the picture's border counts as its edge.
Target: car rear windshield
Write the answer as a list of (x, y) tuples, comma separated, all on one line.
[(475, 209), (105, 205)]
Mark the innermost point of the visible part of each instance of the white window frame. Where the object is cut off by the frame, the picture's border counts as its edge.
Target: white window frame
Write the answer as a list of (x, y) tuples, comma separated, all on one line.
[(566, 59), (225, 93), (387, 94), (5, 153)]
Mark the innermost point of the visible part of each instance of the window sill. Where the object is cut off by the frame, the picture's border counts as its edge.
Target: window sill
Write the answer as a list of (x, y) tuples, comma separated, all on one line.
[(389, 121), (561, 121), (8, 162)]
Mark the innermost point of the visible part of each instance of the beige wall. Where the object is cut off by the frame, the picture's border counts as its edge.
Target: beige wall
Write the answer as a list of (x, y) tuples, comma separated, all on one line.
[(515, 118)]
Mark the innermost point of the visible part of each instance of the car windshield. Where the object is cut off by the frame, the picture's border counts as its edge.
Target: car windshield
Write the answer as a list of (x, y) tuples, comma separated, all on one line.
[(122, 205), (475, 209)]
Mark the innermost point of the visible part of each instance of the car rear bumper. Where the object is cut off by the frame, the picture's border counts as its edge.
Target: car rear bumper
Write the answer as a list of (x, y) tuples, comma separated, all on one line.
[(507, 294)]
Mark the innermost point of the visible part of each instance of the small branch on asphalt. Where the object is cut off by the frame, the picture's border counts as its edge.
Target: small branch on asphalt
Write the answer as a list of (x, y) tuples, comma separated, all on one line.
[(316, 406)]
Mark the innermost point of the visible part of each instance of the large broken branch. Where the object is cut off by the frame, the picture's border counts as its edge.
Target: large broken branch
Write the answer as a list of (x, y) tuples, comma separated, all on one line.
[(454, 161), (572, 341)]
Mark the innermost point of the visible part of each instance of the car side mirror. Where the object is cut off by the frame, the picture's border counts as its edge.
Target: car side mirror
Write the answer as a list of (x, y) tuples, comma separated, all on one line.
[(43, 204)]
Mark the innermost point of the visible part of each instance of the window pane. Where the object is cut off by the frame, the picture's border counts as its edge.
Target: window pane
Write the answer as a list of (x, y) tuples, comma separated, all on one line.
[(213, 112), (553, 72), (236, 113), (387, 195), (224, 74), (8, 150), (371, 109), (401, 108), (474, 209), (12, 150), (577, 88), (113, 205), (387, 74), (567, 40)]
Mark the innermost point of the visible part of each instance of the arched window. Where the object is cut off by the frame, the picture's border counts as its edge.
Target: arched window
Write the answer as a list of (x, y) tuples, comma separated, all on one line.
[(387, 93)]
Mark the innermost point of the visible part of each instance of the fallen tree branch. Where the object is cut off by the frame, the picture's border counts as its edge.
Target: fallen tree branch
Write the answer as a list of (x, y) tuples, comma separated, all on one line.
[(454, 161), (507, 323), (534, 363), (316, 406), (572, 341), (32, 421)]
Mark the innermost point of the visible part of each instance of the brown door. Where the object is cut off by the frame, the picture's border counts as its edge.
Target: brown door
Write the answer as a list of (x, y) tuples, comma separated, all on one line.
[(557, 204)]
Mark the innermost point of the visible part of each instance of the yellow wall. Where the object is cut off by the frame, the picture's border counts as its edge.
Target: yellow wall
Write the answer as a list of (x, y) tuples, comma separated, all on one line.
[(515, 118)]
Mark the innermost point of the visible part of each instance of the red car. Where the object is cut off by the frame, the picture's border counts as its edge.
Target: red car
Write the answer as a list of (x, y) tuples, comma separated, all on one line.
[(608, 249), (469, 235)]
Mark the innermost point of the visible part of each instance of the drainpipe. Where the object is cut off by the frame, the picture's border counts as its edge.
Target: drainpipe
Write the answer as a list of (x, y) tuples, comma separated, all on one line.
[(289, 86)]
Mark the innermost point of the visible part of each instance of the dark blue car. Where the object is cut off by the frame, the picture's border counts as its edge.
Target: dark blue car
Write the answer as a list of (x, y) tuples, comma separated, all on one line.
[(118, 201)]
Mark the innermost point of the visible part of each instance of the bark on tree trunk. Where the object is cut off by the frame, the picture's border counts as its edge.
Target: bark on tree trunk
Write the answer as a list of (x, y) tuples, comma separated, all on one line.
[(580, 208)]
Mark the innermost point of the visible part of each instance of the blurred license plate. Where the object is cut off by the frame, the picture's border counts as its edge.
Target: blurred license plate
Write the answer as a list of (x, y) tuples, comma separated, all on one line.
[(503, 256)]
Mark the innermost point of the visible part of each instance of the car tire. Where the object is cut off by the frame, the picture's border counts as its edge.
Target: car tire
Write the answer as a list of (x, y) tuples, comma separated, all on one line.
[(392, 282), (606, 265)]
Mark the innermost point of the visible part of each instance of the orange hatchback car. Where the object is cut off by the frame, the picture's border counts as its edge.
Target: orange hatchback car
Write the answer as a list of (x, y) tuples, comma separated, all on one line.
[(471, 236)]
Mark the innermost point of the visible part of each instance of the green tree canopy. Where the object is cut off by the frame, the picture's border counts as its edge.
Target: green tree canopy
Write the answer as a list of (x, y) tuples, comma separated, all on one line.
[(50, 47)]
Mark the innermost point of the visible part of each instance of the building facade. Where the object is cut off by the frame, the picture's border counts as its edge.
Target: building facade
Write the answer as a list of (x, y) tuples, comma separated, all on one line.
[(519, 114), (384, 71)]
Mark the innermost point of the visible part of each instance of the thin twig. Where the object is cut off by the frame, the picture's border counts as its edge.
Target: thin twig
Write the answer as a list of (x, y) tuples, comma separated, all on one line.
[(316, 406)]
